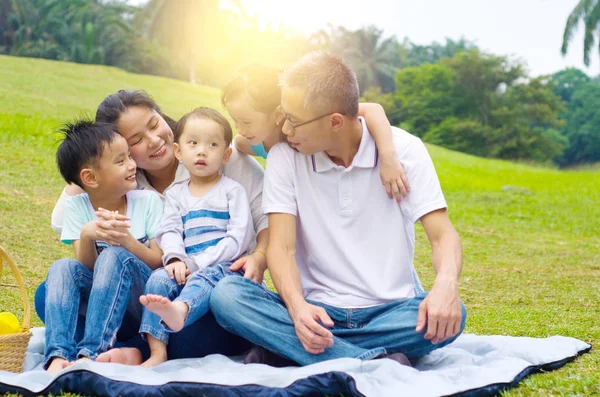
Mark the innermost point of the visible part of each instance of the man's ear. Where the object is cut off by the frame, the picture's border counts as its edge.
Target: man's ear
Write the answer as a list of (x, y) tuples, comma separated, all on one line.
[(88, 177), (177, 151), (227, 155), (337, 121)]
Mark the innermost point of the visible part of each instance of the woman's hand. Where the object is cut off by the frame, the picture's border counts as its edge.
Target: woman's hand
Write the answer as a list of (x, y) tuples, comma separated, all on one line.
[(254, 266), (393, 177)]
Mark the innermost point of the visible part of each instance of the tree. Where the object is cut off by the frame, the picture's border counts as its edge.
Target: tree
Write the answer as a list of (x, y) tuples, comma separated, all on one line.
[(582, 127), (567, 81), (416, 55), (525, 122), (481, 104), (84, 31), (587, 11), (479, 79), (374, 58), (425, 96)]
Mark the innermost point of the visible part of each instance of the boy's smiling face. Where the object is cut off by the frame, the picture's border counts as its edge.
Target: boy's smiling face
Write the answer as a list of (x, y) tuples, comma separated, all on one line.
[(115, 170), (202, 147)]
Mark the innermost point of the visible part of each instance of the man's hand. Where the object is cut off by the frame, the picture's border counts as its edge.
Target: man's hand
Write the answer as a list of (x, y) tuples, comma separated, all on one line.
[(179, 271), (113, 227), (254, 266), (440, 311), (314, 337)]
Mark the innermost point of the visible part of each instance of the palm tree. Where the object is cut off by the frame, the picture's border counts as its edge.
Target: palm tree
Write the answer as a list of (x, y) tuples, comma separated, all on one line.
[(374, 58), (589, 12)]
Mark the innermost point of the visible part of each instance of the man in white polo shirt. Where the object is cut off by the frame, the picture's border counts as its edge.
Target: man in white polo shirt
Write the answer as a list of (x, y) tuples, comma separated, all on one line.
[(340, 252)]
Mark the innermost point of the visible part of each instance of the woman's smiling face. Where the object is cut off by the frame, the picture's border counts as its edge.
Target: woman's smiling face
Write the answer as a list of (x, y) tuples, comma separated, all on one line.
[(149, 137)]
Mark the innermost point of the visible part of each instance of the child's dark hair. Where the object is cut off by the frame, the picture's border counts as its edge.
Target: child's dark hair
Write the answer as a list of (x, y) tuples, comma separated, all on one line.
[(260, 83), (205, 113), (115, 104), (82, 145)]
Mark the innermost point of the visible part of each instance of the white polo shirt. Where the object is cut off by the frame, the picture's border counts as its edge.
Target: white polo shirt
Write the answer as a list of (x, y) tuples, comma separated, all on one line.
[(354, 246)]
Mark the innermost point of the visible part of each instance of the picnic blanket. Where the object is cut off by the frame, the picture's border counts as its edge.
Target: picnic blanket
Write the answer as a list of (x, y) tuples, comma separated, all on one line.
[(473, 365)]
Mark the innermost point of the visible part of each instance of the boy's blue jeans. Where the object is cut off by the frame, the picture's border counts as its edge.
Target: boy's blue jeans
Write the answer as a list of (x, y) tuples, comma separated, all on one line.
[(246, 308), (111, 291), (195, 293)]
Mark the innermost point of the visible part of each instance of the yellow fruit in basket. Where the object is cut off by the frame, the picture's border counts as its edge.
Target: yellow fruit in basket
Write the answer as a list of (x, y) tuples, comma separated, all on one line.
[(9, 324)]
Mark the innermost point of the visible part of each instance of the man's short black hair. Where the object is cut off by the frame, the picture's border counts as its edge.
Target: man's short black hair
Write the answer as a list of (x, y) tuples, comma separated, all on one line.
[(82, 146)]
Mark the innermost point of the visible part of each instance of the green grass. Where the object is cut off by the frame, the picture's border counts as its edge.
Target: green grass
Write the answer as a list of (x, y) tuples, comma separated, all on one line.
[(530, 235)]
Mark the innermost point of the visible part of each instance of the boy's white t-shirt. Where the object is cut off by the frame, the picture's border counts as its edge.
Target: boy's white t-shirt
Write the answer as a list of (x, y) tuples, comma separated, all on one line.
[(144, 208)]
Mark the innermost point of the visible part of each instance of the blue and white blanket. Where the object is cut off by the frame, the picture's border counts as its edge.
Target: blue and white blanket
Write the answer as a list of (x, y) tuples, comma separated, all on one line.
[(471, 366)]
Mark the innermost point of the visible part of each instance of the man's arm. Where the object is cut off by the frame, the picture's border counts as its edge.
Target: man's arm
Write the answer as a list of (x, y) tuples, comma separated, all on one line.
[(441, 310), (281, 260)]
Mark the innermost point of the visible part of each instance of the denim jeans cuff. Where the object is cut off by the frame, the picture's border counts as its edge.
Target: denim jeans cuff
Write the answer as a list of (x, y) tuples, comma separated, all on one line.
[(58, 353), (373, 353), (161, 335), (86, 353)]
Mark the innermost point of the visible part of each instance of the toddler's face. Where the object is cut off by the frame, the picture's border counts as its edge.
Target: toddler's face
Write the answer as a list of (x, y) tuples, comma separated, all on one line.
[(202, 147)]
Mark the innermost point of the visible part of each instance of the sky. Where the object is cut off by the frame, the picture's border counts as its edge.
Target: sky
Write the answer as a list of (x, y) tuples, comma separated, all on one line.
[(530, 30)]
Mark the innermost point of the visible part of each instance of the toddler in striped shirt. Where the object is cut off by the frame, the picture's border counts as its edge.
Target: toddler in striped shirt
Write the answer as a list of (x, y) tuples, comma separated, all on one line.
[(206, 226)]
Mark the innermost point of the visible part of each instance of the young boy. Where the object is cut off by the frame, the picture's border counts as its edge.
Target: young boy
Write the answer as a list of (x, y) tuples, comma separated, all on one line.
[(112, 228), (206, 226)]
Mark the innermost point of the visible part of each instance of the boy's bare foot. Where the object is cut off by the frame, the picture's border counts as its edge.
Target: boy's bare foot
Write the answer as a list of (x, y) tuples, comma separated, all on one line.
[(155, 359), (123, 355), (172, 313), (56, 365)]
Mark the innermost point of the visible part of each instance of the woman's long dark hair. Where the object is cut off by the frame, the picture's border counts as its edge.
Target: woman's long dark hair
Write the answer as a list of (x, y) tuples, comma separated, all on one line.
[(115, 104)]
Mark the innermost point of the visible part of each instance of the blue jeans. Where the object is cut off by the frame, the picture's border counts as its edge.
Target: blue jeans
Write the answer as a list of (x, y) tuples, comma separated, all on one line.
[(246, 308), (195, 293), (111, 291), (200, 339)]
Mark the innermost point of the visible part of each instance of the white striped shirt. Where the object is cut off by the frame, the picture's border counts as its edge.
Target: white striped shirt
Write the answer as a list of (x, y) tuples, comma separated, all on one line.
[(208, 230)]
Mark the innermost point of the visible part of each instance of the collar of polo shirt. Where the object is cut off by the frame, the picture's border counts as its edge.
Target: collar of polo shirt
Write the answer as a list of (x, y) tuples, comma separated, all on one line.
[(366, 157)]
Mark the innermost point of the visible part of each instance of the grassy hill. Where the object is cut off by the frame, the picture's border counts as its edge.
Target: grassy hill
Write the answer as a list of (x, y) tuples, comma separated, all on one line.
[(530, 235)]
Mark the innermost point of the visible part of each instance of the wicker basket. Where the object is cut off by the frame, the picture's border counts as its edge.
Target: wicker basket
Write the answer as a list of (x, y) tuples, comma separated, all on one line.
[(14, 346)]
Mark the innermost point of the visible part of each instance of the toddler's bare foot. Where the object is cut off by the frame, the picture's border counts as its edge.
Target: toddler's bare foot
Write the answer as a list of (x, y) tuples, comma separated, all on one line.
[(172, 313), (123, 355), (155, 359), (56, 365)]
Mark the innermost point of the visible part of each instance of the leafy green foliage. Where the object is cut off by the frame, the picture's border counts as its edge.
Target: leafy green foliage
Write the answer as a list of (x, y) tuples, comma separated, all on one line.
[(588, 12), (583, 126), (480, 104), (374, 58), (417, 55), (426, 95)]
